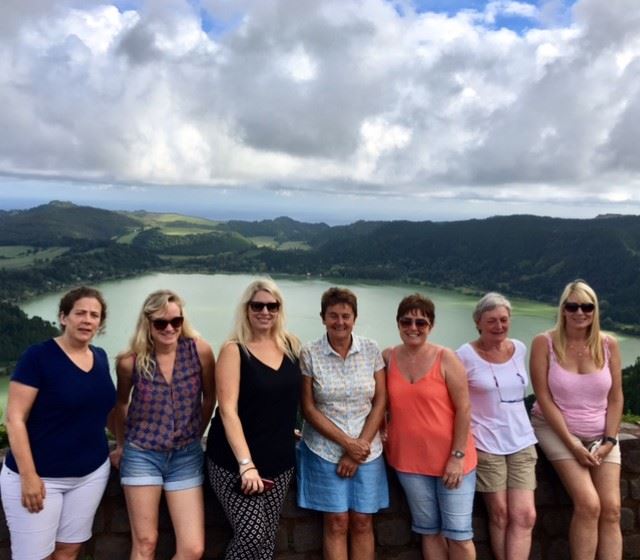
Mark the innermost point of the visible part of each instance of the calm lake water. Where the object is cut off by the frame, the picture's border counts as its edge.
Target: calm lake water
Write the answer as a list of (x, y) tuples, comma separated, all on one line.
[(211, 301)]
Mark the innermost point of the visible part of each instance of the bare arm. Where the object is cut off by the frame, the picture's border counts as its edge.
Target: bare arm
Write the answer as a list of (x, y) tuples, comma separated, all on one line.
[(615, 400), (20, 401), (455, 377), (208, 363), (124, 372), (539, 370), (347, 465), (227, 379)]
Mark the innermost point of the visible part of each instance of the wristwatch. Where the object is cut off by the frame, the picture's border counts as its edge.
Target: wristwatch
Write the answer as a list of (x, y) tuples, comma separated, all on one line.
[(608, 439), (457, 454)]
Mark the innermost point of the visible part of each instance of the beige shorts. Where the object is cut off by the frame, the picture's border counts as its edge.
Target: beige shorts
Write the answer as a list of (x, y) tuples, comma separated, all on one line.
[(555, 449), (516, 471)]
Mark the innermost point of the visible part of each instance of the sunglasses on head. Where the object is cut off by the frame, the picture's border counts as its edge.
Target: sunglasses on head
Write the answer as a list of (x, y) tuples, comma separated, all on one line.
[(409, 321), (572, 307), (162, 324), (257, 306)]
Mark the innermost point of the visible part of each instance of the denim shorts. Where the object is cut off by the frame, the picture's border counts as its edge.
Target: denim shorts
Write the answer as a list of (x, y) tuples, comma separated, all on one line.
[(436, 509), (178, 469), (321, 489)]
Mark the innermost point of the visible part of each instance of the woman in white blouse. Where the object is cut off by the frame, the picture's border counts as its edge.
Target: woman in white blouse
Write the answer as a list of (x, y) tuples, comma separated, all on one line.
[(505, 440)]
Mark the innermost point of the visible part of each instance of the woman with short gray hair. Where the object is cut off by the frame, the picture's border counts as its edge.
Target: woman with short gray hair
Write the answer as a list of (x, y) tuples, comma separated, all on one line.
[(505, 440)]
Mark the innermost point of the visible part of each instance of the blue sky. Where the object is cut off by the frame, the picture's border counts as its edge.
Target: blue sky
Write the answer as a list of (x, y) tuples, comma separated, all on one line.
[(324, 110)]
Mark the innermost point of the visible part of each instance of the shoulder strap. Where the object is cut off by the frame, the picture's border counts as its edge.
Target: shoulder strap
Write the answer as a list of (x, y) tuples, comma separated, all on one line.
[(552, 354), (607, 349)]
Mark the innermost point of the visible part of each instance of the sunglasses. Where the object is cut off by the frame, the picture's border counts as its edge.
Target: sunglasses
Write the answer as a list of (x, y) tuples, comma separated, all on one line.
[(510, 401), (410, 321), (162, 324), (572, 307), (257, 306)]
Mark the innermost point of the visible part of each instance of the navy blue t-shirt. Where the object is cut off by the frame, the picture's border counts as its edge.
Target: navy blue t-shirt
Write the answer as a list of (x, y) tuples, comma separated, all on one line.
[(66, 425)]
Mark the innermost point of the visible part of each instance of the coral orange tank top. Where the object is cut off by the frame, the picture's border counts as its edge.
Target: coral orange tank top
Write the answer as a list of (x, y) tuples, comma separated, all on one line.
[(420, 430)]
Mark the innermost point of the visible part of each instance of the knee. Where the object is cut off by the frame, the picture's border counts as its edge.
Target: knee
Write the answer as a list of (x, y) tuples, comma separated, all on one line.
[(498, 516), (465, 549), (145, 545), (361, 524), (336, 523), (610, 513), (587, 508), (524, 519), (193, 551)]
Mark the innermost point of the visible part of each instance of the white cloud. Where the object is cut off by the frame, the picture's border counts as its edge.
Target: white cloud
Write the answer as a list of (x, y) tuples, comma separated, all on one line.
[(339, 95)]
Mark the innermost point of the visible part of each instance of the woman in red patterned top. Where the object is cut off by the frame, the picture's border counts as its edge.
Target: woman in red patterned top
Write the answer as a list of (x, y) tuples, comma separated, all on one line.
[(171, 373)]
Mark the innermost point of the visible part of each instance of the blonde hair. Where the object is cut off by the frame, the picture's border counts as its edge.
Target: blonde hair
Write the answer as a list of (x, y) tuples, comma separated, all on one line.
[(583, 292), (242, 333), (141, 345)]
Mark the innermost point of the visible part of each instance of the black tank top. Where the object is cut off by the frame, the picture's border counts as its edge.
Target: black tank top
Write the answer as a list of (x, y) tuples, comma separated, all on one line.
[(268, 407)]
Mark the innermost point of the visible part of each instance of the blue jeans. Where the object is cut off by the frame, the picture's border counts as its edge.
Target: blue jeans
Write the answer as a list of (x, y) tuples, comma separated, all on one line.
[(437, 509), (178, 469)]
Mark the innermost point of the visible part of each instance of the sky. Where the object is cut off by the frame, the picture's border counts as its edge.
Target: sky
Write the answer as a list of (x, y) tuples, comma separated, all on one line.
[(322, 110)]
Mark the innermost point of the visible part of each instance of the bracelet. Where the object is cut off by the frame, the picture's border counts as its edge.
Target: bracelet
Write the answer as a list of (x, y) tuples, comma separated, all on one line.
[(608, 439), (247, 470), (243, 462)]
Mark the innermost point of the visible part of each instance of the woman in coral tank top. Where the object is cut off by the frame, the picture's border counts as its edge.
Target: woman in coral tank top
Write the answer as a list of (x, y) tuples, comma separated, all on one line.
[(575, 370), (429, 441)]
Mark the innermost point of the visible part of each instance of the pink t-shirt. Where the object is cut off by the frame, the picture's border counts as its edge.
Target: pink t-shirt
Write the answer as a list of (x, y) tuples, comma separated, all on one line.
[(581, 397)]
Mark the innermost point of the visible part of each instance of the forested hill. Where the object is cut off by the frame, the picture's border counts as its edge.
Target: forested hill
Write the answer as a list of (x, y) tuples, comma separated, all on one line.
[(59, 244), (520, 255)]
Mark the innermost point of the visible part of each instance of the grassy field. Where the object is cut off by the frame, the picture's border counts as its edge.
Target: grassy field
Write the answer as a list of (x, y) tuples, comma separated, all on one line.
[(169, 224), (21, 256), (265, 241)]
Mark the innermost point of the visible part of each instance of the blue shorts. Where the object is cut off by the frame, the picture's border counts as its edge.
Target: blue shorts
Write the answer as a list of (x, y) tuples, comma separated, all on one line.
[(321, 489), (179, 469), (436, 509)]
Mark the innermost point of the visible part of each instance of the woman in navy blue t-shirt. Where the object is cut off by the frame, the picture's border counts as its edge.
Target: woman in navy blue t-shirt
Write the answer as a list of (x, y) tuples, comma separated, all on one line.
[(60, 395)]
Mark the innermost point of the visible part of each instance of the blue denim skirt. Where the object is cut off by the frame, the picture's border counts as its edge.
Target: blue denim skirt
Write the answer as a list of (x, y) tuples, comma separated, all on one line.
[(321, 489)]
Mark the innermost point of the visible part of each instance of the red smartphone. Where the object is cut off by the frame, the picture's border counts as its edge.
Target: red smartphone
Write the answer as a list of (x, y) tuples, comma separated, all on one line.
[(268, 484)]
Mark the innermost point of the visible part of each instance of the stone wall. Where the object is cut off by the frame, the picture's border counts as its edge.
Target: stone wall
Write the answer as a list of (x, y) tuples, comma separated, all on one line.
[(299, 536)]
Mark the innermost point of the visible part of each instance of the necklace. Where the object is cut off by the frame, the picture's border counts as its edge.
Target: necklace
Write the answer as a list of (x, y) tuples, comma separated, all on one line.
[(579, 350)]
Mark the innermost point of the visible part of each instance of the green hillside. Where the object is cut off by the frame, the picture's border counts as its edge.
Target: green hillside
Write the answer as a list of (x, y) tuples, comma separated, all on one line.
[(528, 256), (61, 223)]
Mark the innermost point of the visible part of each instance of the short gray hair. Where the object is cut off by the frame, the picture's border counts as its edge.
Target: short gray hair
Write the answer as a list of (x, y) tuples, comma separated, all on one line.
[(489, 302)]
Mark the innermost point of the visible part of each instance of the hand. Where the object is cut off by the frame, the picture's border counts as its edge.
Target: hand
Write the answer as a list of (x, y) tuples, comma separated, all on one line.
[(250, 481), (358, 449), (347, 467), (115, 457), (602, 451), (584, 457), (453, 473), (384, 435), (33, 492)]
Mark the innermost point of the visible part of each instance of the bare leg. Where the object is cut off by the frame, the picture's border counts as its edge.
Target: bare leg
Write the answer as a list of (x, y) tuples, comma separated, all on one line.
[(186, 508), (583, 532), (362, 546), (334, 537), (461, 550), (606, 479), (434, 547), (522, 518), (143, 503), (66, 551), (496, 503)]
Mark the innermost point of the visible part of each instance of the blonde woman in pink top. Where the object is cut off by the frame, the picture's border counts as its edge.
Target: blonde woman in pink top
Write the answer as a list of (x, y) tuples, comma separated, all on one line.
[(576, 376)]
